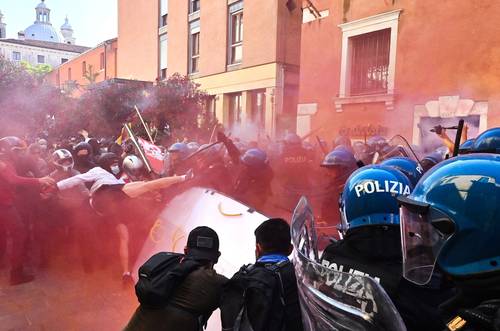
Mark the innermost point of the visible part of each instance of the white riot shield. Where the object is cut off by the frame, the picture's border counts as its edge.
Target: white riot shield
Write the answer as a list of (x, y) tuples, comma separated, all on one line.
[(332, 300), (234, 222)]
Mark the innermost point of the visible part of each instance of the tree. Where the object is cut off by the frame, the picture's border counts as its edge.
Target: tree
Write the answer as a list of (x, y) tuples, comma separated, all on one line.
[(39, 71), (25, 102), (180, 104)]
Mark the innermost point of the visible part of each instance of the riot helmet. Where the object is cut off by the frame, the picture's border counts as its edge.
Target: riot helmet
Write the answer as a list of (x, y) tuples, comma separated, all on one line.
[(342, 141), (369, 197), (466, 146), (452, 219), (292, 140), (62, 159), (487, 142), (178, 151), (407, 166), (255, 158), (339, 157), (133, 167), (193, 146), (431, 160)]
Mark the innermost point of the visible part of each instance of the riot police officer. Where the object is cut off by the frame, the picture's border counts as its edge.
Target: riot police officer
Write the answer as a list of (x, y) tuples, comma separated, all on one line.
[(451, 222), (339, 165), (371, 244), (410, 168), (487, 142)]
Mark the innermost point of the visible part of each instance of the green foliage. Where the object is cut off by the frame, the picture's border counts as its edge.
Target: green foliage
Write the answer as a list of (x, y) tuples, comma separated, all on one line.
[(26, 103), (39, 71), (29, 106)]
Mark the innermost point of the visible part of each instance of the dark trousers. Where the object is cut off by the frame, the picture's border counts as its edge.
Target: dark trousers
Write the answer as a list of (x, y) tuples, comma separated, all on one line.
[(12, 225)]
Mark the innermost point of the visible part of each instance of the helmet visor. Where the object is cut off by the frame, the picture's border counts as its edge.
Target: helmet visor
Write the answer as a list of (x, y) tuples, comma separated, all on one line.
[(424, 232)]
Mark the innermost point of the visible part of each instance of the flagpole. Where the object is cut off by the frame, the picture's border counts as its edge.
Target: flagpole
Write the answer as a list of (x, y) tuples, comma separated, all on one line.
[(144, 124), (139, 148)]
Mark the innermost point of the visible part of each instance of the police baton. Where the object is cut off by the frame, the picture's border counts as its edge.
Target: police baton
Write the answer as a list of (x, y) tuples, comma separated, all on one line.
[(458, 137)]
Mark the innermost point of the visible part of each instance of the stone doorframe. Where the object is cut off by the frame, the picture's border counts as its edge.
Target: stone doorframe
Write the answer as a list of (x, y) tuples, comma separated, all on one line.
[(447, 107)]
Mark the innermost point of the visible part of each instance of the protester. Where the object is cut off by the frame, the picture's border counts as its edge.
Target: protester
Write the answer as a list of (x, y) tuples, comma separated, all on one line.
[(264, 295), (11, 151), (187, 290)]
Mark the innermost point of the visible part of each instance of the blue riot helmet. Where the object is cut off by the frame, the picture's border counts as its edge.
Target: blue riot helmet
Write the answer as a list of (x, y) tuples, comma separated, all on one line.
[(452, 218), (292, 139), (487, 142), (339, 157), (410, 168), (178, 151), (377, 143), (466, 146), (369, 197), (431, 160), (255, 158), (342, 141), (193, 146)]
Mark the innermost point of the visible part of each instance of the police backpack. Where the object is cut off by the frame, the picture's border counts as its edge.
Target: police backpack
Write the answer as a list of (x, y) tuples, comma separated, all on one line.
[(254, 288), (159, 277)]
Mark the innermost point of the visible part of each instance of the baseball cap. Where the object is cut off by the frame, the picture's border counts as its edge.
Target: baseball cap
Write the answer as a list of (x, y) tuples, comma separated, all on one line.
[(203, 244)]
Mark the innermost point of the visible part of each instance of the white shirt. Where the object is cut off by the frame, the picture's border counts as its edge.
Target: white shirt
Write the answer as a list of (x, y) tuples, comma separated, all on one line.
[(98, 176)]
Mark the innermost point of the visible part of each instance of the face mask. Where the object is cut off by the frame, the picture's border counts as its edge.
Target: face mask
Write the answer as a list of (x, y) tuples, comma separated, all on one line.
[(115, 169)]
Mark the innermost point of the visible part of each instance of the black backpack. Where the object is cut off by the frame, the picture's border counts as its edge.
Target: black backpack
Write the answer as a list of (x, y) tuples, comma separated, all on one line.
[(159, 277), (261, 286)]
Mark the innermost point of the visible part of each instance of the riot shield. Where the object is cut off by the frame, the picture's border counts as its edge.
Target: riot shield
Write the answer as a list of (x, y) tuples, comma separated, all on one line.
[(397, 146), (234, 222), (333, 300)]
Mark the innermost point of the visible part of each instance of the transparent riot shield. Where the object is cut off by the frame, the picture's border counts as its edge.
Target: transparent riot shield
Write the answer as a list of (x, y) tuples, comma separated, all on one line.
[(397, 146), (333, 300)]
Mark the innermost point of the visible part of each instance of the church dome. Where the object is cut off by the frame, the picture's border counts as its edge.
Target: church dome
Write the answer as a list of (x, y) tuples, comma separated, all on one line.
[(42, 29)]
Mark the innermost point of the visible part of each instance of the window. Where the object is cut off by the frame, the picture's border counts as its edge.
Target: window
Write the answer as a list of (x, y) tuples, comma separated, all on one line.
[(84, 68), (194, 6), (41, 58), (63, 60), (102, 61), (235, 51), (163, 12), (16, 56), (194, 47), (258, 112), (235, 109), (368, 58), (370, 62), (69, 73), (163, 56)]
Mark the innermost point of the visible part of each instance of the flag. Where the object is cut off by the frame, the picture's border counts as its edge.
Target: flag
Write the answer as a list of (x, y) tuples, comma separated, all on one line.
[(137, 147), (154, 155), (123, 135)]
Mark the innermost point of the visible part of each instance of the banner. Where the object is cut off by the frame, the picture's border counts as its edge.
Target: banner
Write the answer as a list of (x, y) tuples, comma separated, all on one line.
[(154, 155)]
